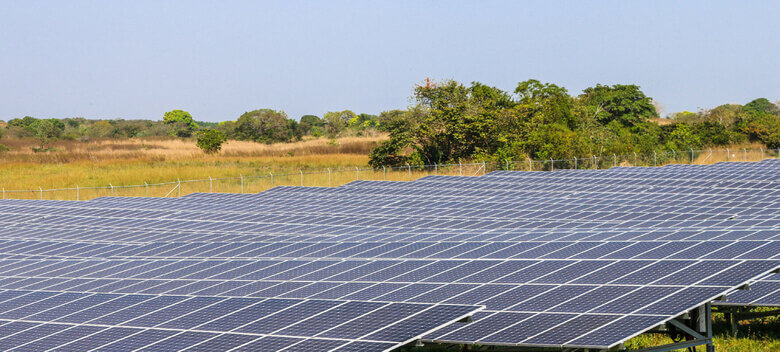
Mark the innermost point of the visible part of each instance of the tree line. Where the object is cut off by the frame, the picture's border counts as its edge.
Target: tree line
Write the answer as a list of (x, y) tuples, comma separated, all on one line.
[(450, 121), (262, 125)]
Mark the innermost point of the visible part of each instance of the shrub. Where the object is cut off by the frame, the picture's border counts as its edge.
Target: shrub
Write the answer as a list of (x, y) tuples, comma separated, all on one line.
[(210, 141)]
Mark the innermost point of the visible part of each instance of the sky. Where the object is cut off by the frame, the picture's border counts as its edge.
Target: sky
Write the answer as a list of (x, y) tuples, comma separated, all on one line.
[(219, 59)]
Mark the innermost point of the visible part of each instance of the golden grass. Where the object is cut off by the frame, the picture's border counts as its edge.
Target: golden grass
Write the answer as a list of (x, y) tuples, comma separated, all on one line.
[(135, 161), (100, 163)]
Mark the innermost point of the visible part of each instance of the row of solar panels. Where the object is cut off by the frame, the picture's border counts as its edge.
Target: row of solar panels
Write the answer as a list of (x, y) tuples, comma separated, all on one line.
[(529, 302)]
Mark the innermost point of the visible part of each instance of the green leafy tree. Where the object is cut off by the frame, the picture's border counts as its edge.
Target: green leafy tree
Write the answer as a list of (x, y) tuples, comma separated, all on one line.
[(626, 104), (47, 131), (182, 122), (311, 125), (761, 106), (210, 140), (337, 122), (266, 126)]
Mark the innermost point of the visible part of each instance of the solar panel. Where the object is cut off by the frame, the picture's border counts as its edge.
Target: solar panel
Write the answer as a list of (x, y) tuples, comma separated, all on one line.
[(580, 258)]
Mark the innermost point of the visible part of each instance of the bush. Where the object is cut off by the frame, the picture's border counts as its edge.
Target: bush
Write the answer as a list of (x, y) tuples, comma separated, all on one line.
[(210, 141), (4, 148)]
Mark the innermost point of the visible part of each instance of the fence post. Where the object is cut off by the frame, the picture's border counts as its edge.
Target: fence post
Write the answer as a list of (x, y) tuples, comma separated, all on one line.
[(301, 171), (530, 165), (409, 168), (112, 189), (595, 163), (211, 185), (460, 168), (728, 154), (272, 178), (146, 186), (634, 159), (357, 173), (674, 155), (484, 168), (436, 169), (178, 185), (242, 182), (329, 176), (691, 155), (507, 164), (552, 165), (614, 160), (745, 151), (762, 153), (77, 192), (3, 192), (575, 163), (655, 158), (384, 173), (40, 189)]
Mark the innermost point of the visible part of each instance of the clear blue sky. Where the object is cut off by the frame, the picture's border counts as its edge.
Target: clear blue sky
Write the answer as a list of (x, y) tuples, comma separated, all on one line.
[(218, 59)]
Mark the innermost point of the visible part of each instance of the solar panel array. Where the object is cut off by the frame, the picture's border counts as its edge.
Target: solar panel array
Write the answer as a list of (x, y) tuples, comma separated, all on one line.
[(576, 258)]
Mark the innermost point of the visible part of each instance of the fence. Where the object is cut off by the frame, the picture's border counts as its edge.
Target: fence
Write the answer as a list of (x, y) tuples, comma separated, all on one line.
[(336, 177)]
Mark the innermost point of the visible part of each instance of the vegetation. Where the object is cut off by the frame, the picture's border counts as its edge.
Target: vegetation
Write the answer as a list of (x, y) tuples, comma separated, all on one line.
[(210, 141), (450, 121)]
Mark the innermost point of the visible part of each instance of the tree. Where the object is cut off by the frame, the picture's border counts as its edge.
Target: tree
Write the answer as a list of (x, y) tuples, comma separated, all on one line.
[(336, 122), (626, 104), (210, 140), (761, 106), (266, 126), (311, 125), (182, 122), (47, 131)]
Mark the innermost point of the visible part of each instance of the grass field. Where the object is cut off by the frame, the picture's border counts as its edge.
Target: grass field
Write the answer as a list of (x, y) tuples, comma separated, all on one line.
[(240, 166)]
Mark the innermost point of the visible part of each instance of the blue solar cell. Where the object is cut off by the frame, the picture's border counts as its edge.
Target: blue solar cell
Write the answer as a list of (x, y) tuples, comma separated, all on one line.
[(268, 344), (24, 336), (248, 314), (372, 321), (138, 340)]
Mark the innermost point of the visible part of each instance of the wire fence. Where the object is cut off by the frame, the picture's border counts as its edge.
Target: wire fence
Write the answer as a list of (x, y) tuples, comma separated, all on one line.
[(337, 177)]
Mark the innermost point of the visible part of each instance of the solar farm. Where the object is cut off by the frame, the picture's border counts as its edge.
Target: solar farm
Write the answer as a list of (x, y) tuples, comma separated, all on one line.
[(573, 260)]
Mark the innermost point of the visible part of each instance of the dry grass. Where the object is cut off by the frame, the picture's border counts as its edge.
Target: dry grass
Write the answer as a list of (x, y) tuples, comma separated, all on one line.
[(135, 161)]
